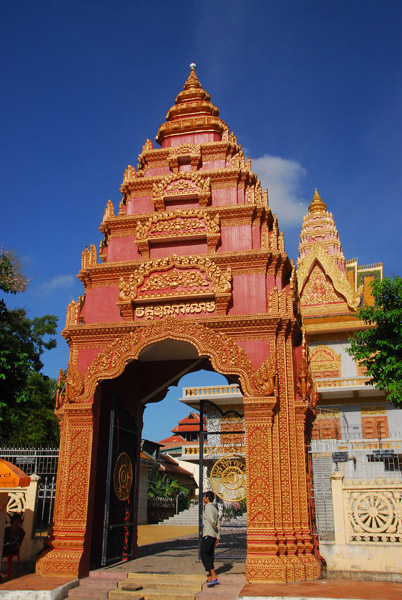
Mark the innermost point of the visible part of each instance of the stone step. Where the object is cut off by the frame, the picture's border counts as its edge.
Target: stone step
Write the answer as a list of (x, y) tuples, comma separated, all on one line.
[(157, 577), (151, 594), (96, 586), (158, 586), (163, 585)]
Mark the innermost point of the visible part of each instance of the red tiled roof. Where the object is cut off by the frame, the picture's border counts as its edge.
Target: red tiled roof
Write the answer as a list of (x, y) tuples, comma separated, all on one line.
[(185, 428), (172, 439), (169, 465)]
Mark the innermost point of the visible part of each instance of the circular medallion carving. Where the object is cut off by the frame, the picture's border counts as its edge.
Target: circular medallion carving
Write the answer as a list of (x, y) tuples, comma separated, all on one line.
[(228, 478), (373, 512), (123, 476)]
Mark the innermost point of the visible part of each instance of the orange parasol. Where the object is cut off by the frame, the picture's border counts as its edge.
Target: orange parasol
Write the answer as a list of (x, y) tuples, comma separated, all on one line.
[(11, 476)]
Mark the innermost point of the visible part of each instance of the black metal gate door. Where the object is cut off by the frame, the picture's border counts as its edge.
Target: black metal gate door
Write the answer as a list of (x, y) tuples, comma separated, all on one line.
[(118, 528)]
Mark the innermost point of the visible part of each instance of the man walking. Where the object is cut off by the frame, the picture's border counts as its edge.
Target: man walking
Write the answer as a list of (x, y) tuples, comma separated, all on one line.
[(210, 538)]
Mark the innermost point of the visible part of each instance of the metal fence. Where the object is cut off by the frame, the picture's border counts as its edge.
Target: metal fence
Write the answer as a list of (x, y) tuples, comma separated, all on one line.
[(41, 461), (357, 460), (44, 506)]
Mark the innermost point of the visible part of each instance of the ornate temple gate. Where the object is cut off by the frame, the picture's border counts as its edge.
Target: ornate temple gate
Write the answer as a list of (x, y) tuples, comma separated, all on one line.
[(192, 267)]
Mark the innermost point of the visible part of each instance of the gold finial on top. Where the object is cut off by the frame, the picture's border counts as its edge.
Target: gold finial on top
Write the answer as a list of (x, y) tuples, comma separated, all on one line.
[(192, 80), (317, 205)]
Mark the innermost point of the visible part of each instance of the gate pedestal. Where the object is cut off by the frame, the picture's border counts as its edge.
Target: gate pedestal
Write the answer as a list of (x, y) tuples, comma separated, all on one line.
[(69, 554)]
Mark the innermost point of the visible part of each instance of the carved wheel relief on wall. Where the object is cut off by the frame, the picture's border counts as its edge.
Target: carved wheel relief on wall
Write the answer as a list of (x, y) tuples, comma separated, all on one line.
[(228, 478)]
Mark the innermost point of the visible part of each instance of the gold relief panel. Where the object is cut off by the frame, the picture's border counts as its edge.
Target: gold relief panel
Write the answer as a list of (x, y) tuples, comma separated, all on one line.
[(188, 152), (181, 185), (373, 410), (178, 224), (318, 263), (325, 362), (319, 289), (176, 277)]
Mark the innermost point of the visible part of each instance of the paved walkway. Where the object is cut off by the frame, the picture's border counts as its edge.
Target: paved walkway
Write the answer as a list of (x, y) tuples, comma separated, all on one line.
[(167, 549)]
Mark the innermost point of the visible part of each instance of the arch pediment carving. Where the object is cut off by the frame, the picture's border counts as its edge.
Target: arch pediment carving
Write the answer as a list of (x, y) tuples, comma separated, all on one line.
[(225, 355), (325, 362), (176, 278), (192, 152), (175, 224), (182, 185), (318, 255)]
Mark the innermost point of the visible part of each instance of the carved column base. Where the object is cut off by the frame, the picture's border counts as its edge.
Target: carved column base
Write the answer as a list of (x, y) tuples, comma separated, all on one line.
[(262, 569), (59, 562), (312, 566), (282, 569), (296, 570)]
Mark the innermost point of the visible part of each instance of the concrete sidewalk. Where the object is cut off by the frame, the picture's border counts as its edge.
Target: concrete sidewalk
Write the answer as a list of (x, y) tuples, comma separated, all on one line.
[(174, 550)]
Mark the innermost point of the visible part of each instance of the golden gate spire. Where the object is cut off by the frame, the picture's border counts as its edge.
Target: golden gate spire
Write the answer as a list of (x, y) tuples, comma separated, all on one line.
[(317, 205), (192, 115)]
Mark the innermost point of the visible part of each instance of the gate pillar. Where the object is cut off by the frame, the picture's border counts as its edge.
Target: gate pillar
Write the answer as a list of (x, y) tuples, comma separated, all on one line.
[(263, 562), (278, 549), (69, 552)]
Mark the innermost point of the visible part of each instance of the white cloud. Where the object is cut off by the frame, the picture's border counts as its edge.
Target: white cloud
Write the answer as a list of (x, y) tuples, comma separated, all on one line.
[(282, 178), (58, 282)]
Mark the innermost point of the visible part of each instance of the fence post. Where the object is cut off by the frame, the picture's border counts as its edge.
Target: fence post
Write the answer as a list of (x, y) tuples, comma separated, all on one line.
[(339, 513), (30, 504)]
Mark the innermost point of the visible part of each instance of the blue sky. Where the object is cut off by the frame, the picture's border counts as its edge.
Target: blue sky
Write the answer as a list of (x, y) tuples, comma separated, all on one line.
[(312, 89)]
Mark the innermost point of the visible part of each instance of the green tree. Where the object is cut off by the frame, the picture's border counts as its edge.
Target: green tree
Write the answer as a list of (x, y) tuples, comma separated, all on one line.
[(26, 395), (12, 276), (33, 422), (379, 348), (22, 342)]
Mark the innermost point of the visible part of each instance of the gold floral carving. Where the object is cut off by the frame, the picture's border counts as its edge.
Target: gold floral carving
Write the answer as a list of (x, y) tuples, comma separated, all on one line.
[(178, 222), (318, 255), (89, 257), (148, 146), (130, 174), (282, 303), (73, 311), (109, 210), (324, 360)]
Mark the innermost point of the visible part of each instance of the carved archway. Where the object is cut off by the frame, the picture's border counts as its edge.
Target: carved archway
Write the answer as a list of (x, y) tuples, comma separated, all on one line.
[(254, 334)]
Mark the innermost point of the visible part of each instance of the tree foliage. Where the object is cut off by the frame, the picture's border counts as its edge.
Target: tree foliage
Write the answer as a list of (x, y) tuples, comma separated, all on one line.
[(379, 348), (165, 487), (12, 276), (32, 422), (26, 395), (22, 342)]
